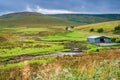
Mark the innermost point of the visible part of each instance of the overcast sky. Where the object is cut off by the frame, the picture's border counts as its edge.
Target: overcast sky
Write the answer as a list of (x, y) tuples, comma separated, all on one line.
[(60, 6)]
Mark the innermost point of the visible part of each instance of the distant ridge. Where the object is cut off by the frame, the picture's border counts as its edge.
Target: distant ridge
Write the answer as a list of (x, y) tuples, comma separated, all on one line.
[(22, 13), (88, 18), (31, 19), (34, 19)]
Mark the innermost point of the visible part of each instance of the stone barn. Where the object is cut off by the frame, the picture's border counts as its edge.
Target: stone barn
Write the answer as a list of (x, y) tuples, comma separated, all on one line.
[(99, 39)]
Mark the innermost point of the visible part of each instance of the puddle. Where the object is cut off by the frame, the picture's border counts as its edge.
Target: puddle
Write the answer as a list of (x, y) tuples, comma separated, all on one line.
[(65, 53)]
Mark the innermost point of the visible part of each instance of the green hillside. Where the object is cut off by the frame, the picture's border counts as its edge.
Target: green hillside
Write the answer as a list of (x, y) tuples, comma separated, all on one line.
[(82, 32), (89, 18), (107, 26), (31, 19)]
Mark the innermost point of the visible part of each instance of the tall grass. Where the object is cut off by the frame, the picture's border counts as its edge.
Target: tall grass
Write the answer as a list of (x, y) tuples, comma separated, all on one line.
[(101, 66), (23, 63), (100, 71)]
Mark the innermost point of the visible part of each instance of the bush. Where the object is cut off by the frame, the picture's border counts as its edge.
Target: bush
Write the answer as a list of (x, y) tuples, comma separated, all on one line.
[(100, 30), (113, 39), (116, 40), (117, 29), (91, 30), (94, 48)]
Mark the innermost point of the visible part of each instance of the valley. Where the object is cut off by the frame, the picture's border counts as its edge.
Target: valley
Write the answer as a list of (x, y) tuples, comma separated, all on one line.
[(32, 47)]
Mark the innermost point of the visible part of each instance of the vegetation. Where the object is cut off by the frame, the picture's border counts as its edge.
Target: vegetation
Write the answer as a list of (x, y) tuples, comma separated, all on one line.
[(31, 19), (23, 63), (88, 18), (117, 29), (107, 26), (8, 54), (116, 39), (91, 30), (87, 66), (100, 30), (29, 39)]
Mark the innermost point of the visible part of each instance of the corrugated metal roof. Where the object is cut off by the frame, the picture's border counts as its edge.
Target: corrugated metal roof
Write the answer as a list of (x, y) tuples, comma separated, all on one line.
[(94, 36), (97, 37)]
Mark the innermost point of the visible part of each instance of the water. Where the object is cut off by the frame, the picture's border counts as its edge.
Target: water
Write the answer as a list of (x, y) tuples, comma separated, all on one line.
[(64, 53)]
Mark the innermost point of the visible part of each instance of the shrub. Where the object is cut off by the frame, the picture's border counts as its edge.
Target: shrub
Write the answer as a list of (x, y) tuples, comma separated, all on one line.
[(94, 48), (117, 29), (116, 40), (113, 39), (100, 30), (91, 30)]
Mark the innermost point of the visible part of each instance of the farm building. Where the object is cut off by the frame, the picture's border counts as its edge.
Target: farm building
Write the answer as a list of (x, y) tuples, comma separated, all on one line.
[(69, 28), (98, 39)]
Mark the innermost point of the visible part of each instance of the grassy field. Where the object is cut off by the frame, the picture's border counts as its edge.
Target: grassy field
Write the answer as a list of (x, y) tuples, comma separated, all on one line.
[(30, 48), (22, 40), (107, 26), (28, 38), (82, 32), (87, 66), (79, 35)]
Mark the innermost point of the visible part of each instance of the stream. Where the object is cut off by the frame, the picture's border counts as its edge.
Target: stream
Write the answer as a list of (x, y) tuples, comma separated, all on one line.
[(64, 53), (28, 57)]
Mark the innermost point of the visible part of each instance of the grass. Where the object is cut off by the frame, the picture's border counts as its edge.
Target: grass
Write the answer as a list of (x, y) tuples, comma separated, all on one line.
[(27, 30), (103, 65), (32, 49), (98, 64), (94, 48), (101, 71), (37, 48), (107, 26), (76, 35), (27, 19), (21, 64), (88, 18)]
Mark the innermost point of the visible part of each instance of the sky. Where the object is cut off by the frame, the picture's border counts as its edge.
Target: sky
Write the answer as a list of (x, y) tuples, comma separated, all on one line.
[(61, 6)]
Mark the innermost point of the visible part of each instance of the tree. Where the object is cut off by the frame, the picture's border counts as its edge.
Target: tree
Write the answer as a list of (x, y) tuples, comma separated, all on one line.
[(100, 30), (91, 30), (117, 29), (72, 27)]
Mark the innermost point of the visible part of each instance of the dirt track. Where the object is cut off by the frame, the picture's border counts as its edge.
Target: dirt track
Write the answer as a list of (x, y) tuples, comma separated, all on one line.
[(28, 57)]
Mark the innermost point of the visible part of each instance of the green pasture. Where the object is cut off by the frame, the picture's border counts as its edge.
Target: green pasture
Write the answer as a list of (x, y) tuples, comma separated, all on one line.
[(107, 26), (32, 49), (77, 35)]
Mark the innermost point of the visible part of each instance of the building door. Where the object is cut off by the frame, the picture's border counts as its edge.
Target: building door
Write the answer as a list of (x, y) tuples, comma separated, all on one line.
[(102, 40)]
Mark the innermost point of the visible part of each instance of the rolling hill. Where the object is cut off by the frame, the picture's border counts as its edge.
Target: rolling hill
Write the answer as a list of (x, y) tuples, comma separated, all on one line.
[(88, 18), (31, 19), (107, 26)]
